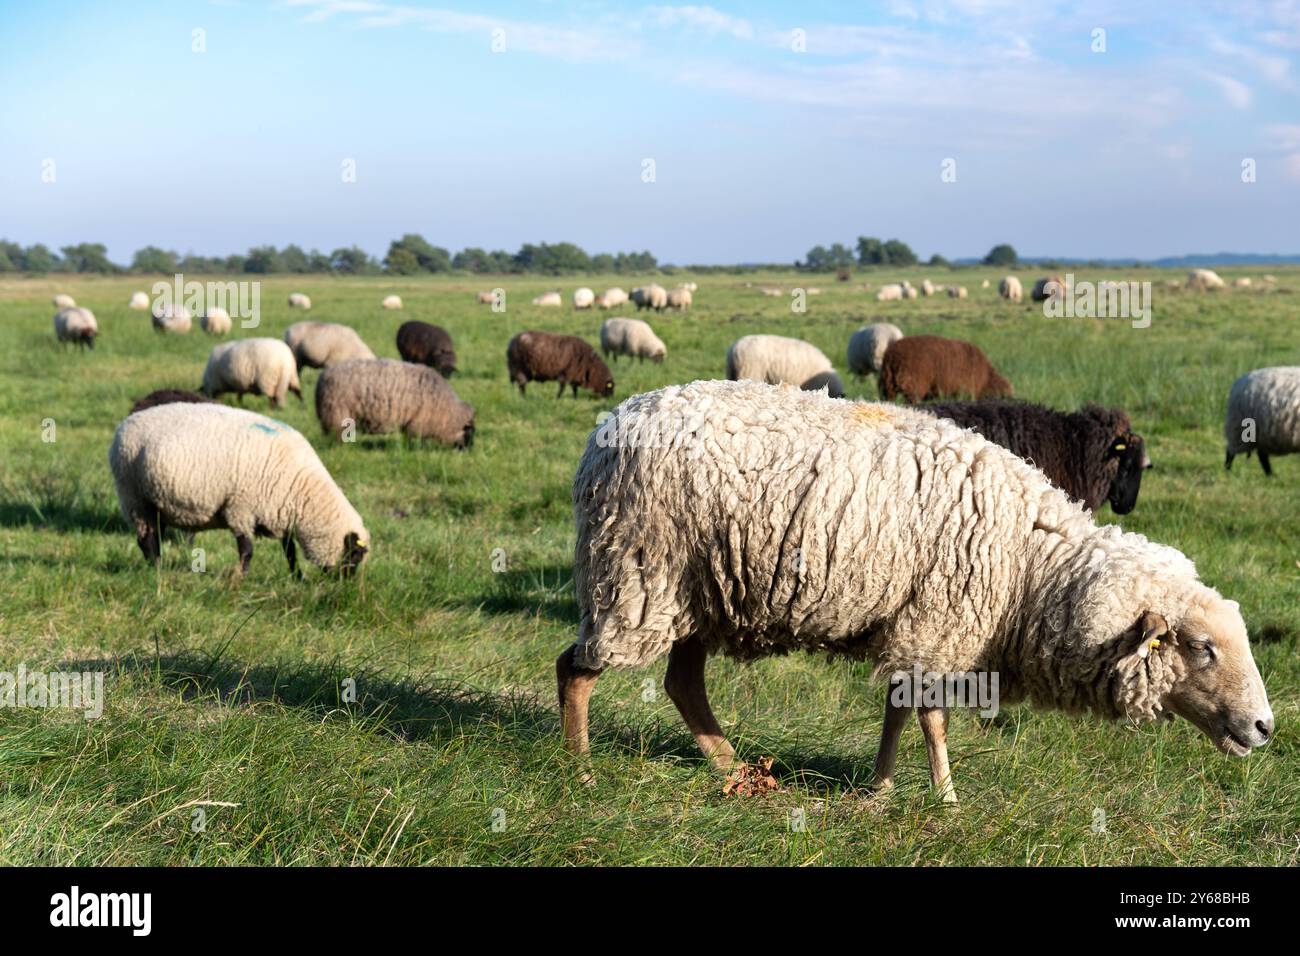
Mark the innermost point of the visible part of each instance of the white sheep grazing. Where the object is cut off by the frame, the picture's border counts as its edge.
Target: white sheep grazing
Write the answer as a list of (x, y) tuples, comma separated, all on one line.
[(889, 293), (614, 298), (1264, 415), (199, 467), (487, 298), (583, 298), (867, 347), (956, 291), (139, 300), (984, 284), (1203, 280), (75, 324), (749, 520), (927, 287), (1009, 288), (393, 302), (775, 359), (909, 292), (215, 321), (298, 300), (1242, 283), (64, 301), (175, 319), (680, 299), (630, 337), (256, 366), (549, 299), (321, 344)]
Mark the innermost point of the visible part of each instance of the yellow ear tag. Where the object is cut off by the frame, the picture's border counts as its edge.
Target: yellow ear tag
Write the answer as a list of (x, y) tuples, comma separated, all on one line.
[(1120, 447)]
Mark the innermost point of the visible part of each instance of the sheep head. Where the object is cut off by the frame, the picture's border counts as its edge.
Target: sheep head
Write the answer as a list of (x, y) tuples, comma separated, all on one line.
[(1198, 667), (1130, 451)]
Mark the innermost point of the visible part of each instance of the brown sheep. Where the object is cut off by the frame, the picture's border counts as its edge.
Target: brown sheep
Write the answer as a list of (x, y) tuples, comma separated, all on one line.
[(1049, 287), (548, 357), (929, 366)]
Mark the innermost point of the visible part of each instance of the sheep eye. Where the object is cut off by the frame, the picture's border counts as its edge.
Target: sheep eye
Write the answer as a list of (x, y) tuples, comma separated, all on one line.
[(1202, 648)]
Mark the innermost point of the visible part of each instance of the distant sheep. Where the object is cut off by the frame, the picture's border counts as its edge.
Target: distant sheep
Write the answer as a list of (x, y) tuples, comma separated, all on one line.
[(583, 298), (1092, 455), (630, 337), (549, 300), (1264, 415), (172, 318), (298, 300), (984, 284), (680, 299), (384, 395), (166, 396), (775, 359), (1203, 280), (652, 296), (956, 292), (427, 344), (203, 467), (392, 302), (75, 324), (890, 293), (613, 298), (139, 300), (488, 298), (548, 357), (322, 344), (927, 287), (215, 321), (1009, 288), (867, 347), (1049, 287), (64, 301), (920, 367), (1242, 283), (252, 366)]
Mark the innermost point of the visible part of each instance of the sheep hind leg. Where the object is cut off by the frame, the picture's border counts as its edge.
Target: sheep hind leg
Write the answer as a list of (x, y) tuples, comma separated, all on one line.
[(245, 545), (684, 683), (883, 772), (291, 555), (1264, 463), (574, 685), (934, 725)]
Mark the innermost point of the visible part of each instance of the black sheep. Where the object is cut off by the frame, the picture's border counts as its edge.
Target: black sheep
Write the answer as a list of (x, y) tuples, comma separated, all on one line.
[(1092, 454), (427, 344)]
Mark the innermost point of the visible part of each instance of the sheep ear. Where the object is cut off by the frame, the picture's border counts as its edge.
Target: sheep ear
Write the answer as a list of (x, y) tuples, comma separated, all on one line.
[(1145, 635), (1117, 447)]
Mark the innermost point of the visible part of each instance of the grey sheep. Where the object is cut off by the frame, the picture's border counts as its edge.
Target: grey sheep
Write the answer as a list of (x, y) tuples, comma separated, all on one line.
[(384, 395)]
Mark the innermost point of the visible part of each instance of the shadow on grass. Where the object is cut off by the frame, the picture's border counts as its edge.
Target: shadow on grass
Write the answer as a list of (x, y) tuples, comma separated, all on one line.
[(424, 708), (545, 592), (55, 514)]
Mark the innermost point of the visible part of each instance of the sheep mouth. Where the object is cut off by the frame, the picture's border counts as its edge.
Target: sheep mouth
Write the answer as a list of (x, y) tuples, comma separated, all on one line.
[(1230, 743)]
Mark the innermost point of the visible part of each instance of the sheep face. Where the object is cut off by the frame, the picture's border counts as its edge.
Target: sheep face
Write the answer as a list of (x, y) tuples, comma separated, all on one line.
[(354, 553), (1217, 688), (1130, 449)]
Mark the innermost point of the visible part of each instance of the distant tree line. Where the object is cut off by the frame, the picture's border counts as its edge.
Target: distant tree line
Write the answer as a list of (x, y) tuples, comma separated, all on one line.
[(870, 251), (410, 255)]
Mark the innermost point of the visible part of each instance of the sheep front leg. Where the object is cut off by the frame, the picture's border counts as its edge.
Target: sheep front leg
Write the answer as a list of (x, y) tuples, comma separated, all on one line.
[(684, 683), (895, 718), (245, 545), (574, 685), (934, 725)]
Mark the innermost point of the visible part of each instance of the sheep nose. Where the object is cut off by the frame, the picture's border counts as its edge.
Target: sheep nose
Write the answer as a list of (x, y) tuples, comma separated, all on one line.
[(1265, 728)]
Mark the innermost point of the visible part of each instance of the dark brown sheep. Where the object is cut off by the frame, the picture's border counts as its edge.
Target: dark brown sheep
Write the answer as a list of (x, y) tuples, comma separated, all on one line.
[(166, 396), (427, 344), (1092, 454), (548, 357), (919, 367)]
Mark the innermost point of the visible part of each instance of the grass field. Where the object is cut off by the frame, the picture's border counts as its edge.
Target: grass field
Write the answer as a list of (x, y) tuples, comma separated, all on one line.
[(226, 739)]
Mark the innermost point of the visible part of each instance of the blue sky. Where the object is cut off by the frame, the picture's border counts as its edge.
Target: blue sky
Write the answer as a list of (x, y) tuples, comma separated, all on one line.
[(761, 150)]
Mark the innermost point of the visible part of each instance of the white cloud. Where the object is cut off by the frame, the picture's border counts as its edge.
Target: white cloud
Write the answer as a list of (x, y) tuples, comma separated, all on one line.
[(1234, 91), (705, 19)]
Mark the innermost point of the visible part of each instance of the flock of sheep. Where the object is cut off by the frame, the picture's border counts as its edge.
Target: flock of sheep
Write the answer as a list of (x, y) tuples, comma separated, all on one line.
[(956, 536)]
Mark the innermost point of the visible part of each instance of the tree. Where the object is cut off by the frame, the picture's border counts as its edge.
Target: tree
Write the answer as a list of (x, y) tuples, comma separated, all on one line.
[(155, 261), (431, 258), (896, 252), (88, 257), (840, 255), (293, 259), (869, 251), (263, 260), (939, 262), (401, 262), (353, 261), (39, 259), (818, 259), (1002, 255)]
